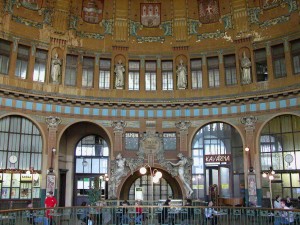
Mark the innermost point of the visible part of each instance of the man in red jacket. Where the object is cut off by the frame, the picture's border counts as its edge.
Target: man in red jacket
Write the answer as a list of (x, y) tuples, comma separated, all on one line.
[(50, 202)]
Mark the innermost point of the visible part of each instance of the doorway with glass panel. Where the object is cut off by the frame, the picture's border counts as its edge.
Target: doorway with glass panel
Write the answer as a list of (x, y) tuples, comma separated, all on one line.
[(220, 176), (91, 161), (217, 151)]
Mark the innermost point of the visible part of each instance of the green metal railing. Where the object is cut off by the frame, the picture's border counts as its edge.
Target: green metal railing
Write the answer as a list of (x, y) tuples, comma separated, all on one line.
[(175, 215)]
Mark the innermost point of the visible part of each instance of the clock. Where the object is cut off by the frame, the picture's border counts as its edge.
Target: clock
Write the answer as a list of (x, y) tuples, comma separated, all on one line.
[(13, 159), (288, 158)]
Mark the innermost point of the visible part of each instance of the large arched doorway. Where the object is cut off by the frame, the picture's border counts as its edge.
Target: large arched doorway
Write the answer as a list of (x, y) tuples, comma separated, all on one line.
[(167, 187), (91, 162), (86, 147), (217, 151)]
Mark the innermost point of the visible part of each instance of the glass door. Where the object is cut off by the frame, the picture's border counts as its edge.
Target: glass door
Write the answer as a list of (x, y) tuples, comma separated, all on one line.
[(225, 184)]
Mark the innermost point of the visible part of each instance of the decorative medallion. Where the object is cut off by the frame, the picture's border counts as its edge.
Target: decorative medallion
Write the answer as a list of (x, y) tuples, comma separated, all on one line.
[(150, 14), (92, 11), (32, 4), (208, 11)]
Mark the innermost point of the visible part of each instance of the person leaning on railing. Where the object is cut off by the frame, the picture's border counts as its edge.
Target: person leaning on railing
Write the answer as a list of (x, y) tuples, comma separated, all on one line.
[(209, 213), (287, 217), (32, 218)]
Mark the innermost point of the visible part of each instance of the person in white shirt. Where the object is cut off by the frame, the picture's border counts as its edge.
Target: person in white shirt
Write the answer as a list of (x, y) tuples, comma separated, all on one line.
[(209, 213), (277, 204), (287, 217)]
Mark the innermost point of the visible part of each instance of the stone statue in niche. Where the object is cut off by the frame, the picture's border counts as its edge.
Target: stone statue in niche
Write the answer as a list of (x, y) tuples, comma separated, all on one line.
[(181, 76), (246, 69), (119, 71), (183, 173), (56, 69)]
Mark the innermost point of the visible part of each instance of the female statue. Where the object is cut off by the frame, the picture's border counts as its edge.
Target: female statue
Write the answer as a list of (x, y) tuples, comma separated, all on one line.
[(55, 68), (181, 74), (182, 163)]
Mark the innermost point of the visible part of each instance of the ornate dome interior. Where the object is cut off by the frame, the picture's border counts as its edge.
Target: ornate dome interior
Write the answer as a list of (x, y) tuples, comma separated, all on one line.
[(150, 40)]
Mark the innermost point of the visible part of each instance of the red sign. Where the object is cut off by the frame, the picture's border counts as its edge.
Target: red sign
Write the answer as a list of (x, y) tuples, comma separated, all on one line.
[(208, 11), (217, 158), (92, 11), (150, 14)]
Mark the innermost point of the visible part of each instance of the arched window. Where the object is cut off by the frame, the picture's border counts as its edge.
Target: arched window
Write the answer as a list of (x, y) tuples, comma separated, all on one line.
[(280, 149), (20, 151), (212, 140), (161, 190)]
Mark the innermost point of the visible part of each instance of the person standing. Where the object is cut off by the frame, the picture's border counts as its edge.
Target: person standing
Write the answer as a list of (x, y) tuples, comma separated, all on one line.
[(287, 217), (50, 202), (277, 204), (209, 213)]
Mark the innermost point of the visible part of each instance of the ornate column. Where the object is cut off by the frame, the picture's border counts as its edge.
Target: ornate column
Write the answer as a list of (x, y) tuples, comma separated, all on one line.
[(183, 127), (118, 128), (52, 122), (249, 123), (250, 160)]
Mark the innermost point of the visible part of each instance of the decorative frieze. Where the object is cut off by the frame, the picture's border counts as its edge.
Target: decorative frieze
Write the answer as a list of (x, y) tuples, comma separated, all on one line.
[(277, 20), (150, 39), (217, 34), (27, 22), (82, 34)]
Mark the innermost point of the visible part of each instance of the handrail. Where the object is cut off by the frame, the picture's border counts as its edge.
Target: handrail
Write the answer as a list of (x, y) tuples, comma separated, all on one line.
[(192, 215)]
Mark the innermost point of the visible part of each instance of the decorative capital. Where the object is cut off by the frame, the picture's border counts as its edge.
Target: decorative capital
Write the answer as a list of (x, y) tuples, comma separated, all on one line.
[(53, 121), (183, 125), (118, 126), (249, 121)]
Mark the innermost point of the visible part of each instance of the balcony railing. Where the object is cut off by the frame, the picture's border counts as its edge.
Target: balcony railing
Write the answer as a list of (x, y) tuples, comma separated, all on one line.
[(117, 215)]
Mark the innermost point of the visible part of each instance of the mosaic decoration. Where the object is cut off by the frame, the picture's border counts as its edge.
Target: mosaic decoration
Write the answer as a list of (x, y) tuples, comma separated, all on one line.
[(27, 22), (193, 26), (47, 16), (254, 15), (133, 27), (150, 14), (167, 27), (268, 4), (133, 124), (73, 22), (272, 22), (292, 5), (208, 11), (89, 35), (217, 34), (168, 124), (150, 39), (108, 26), (9, 5), (92, 11), (32, 4), (227, 21)]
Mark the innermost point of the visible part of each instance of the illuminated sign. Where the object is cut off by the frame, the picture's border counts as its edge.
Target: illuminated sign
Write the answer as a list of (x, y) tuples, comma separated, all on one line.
[(217, 158), (26, 177)]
